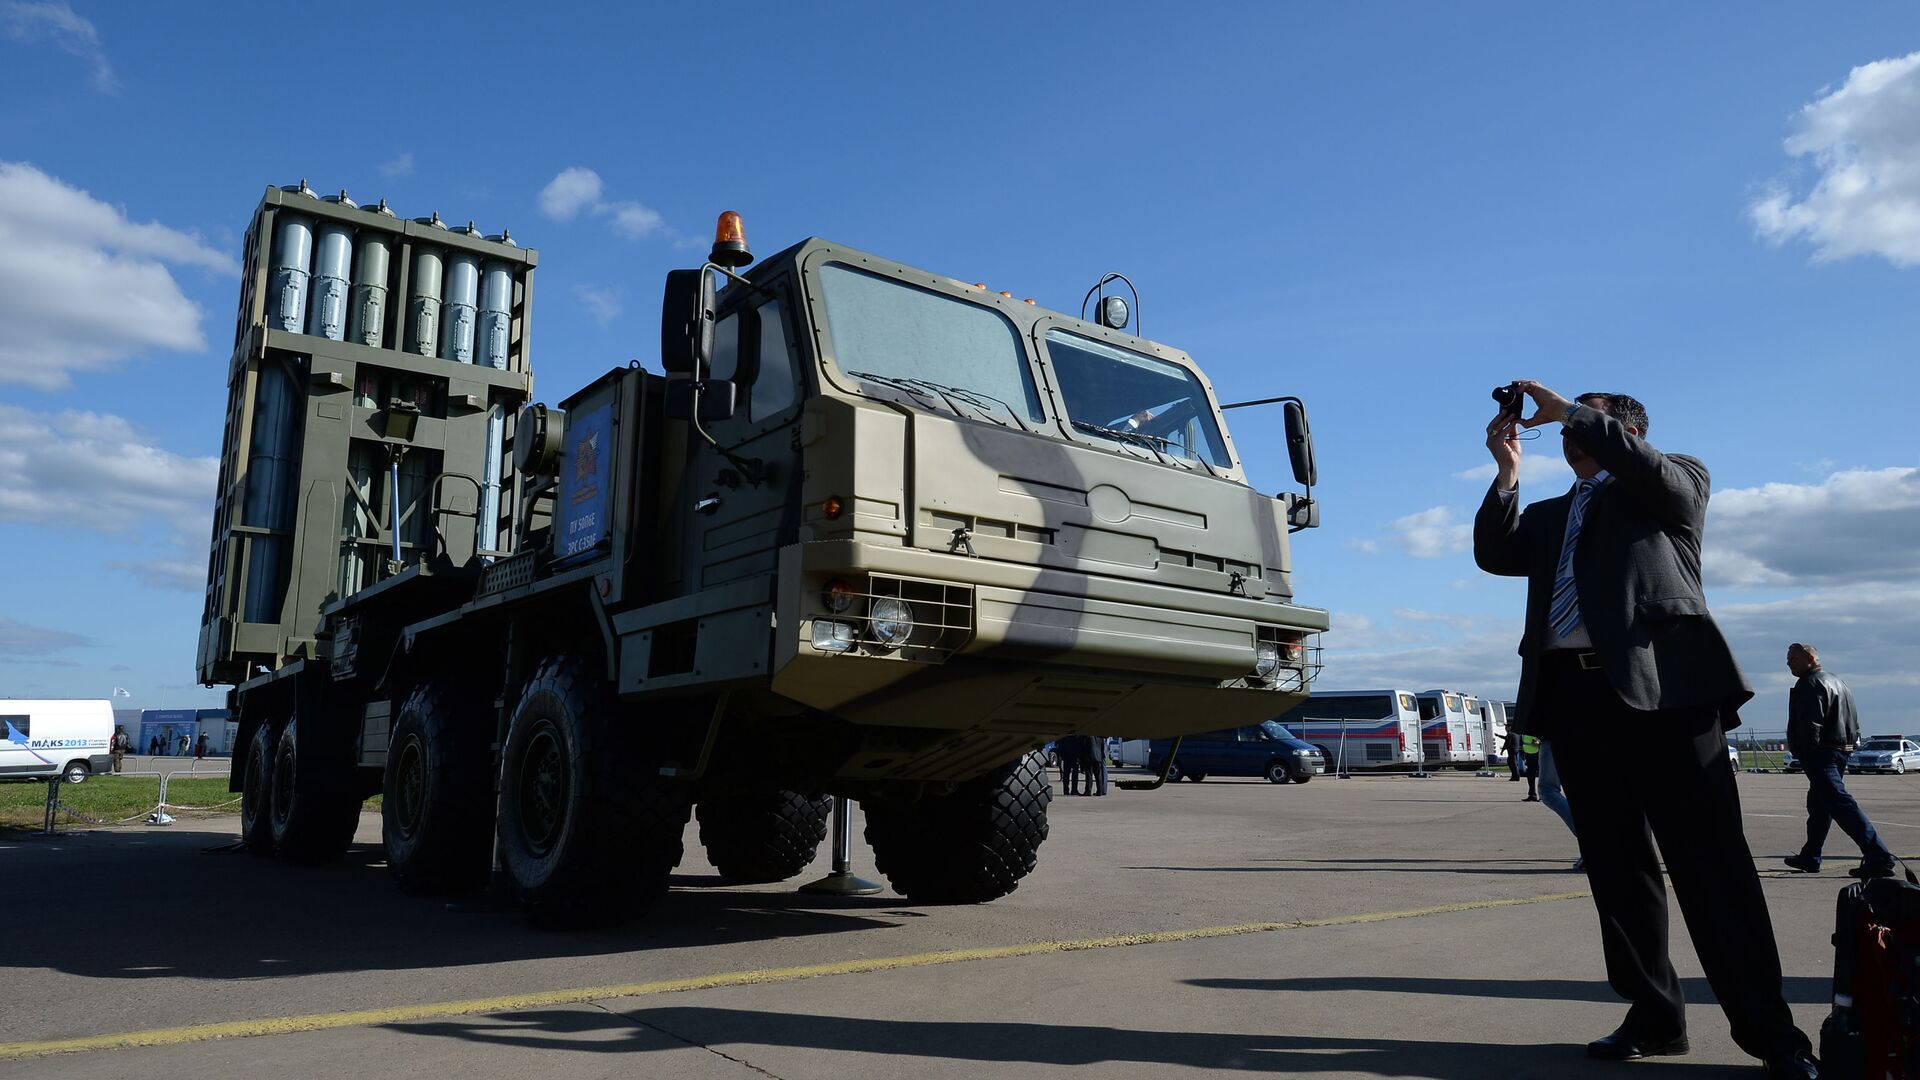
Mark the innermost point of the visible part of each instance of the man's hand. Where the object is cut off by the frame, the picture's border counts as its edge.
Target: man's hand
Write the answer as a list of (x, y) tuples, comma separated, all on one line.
[(1503, 440), (1548, 406)]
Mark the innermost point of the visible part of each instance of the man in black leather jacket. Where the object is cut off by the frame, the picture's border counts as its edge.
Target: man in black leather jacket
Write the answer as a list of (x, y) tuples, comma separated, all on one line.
[(1822, 729)]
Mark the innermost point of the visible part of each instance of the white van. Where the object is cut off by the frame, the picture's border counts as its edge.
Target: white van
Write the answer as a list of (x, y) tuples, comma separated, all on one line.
[(42, 739), (1493, 730)]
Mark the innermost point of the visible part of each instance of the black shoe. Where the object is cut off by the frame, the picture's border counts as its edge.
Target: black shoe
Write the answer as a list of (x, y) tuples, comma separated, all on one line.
[(1802, 865), (1531, 798), (1864, 871), (1798, 1065), (1624, 1045)]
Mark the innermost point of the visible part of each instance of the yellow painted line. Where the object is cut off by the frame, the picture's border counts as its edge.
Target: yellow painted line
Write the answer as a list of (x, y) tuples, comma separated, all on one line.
[(286, 1025)]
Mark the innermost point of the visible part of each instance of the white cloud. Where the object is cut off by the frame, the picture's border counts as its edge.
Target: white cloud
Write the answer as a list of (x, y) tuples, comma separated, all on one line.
[(17, 640), (82, 288), (577, 189), (567, 194), (1864, 142), (602, 304), (632, 220), (93, 471), (54, 21), (1421, 650), (1865, 634), (1431, 533), (1853, 527), (400, 165)]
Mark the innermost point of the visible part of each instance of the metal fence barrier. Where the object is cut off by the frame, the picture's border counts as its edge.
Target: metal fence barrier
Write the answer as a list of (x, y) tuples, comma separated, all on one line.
[(156, 816)]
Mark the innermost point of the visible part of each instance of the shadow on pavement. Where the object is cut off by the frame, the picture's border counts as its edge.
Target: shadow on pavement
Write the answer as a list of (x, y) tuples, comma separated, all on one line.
[(1800, 989), (227, 915), (739, 1031), (1554, 867)]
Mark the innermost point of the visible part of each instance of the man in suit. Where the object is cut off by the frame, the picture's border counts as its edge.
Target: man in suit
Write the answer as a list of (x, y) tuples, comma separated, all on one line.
[(1625, 671)]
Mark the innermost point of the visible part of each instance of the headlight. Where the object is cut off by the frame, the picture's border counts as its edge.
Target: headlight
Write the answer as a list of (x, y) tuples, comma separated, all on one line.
[(831, 636), (1266, 659), (891, 621)]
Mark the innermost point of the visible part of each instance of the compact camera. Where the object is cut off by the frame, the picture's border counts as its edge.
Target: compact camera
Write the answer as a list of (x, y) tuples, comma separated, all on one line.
[(1511, 398)]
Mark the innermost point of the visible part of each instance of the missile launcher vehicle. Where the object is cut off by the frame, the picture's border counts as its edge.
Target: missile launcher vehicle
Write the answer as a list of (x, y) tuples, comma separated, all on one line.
[(869, 532)]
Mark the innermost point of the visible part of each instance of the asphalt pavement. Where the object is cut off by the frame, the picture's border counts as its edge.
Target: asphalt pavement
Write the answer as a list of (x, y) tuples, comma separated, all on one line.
[(1379, 927)]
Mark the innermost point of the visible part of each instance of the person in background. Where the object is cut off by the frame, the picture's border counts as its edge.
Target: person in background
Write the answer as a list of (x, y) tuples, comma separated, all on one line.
[(119, 745), (1530, 766), (1096, 751), (1067, 749), (1555, 797), (1822, 728), (1510, 746), (1619, 648), (153, 746)]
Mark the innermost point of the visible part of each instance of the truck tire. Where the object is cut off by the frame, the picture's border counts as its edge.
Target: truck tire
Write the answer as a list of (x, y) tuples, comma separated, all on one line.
[(1277, 773), (436, 804), (588, 834), (76, 772), (763, 836), (256, 795), (314, 809), (967, 847)]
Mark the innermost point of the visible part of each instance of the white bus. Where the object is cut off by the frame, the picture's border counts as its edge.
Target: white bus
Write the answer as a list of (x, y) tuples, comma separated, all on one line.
[(42, 739), (1446, 729), (1493, 727), (1358, 729)]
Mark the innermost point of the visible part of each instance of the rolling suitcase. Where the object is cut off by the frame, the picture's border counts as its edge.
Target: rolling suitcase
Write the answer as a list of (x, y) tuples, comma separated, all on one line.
[(1874, 1029)]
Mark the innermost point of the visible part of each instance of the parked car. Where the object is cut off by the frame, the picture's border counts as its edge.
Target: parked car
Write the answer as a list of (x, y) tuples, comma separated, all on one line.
[(1885, 753), (1264, 749), (1789, 763), (1733, 756)]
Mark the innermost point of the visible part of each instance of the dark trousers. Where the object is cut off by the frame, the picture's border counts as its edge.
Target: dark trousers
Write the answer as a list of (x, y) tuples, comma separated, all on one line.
[(1636, 778), (1096, 774), (1829, 803), (1069, 772)]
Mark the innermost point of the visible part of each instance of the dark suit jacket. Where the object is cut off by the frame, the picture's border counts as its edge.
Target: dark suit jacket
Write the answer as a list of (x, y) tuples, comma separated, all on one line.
[(1637, 570)]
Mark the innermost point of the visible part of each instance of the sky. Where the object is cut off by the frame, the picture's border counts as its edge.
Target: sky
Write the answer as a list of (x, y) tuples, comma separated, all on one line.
[(1386, 209)]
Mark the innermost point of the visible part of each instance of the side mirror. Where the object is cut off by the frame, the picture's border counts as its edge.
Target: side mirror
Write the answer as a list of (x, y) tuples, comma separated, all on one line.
[(1303, 511), (1300, 445), (718, 399), (686, 322)]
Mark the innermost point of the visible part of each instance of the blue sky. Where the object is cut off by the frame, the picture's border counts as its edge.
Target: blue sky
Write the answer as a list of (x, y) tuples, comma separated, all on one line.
[(1386, 209)]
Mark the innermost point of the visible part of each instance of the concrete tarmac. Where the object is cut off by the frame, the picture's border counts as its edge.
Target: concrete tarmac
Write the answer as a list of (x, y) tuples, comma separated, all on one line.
[(1380, 927)]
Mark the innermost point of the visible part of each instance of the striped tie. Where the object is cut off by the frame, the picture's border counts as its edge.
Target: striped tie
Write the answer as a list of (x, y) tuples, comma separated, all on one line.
[(1563, 614)]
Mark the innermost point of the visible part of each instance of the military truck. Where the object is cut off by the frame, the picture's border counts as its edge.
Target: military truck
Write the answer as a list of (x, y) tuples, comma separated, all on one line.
[(869, 532)]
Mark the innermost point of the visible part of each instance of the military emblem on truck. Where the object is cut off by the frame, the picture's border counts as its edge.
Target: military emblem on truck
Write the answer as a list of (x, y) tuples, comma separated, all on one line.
[(868, 532)]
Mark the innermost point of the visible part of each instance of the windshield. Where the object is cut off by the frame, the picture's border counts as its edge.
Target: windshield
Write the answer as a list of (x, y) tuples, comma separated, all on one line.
[(893, 333), (1880, 744), (1276, 730), (1129, 397)]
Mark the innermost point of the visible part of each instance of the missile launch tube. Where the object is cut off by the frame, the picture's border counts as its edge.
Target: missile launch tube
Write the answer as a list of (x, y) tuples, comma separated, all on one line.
[(423, 303), (332, 265), (270, 490), (463, 292), (496, 306), (367, 322), (292, 257)]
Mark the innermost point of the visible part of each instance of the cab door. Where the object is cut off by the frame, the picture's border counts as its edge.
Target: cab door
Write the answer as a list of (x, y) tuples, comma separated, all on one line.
[(747, 506)]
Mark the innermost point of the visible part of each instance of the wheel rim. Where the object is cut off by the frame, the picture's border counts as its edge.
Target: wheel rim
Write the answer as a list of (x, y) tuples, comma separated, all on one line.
[(541, 788), (250, 789), (411, 773), (283, 769)]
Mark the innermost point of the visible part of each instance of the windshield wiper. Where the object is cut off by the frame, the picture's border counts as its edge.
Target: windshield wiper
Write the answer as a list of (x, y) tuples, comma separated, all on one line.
[(952, 395), (1154, 443), (972, 397)]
